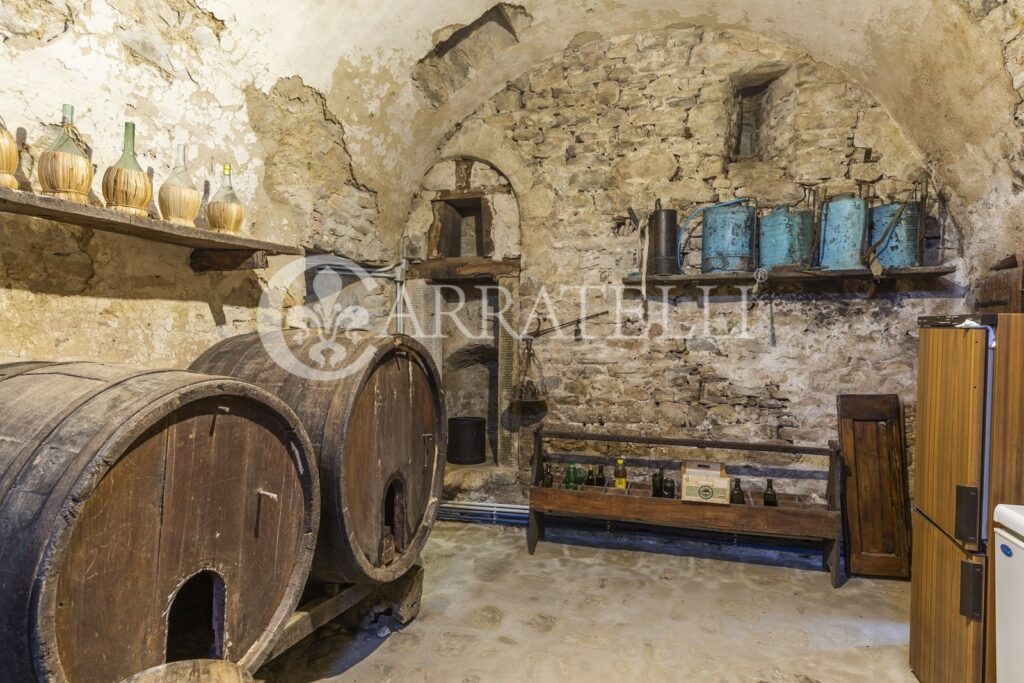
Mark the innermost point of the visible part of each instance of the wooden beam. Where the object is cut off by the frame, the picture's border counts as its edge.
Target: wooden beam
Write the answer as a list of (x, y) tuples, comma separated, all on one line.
[(316, 613), (203, 260), (474, 193), (789, 277), (463, 173), (402, 596), (759, 446), (464, 269)]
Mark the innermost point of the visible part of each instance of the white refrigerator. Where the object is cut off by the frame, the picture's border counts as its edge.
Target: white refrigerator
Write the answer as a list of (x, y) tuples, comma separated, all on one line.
[(1009, 554)]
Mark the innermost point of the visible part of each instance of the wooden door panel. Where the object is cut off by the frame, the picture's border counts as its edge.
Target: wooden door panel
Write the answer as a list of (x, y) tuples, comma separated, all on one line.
[(875, 476), (945, 646), (950, 421)]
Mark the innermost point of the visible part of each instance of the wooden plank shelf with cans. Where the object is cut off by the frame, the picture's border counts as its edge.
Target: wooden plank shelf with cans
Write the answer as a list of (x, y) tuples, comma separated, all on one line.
[(796, 519)]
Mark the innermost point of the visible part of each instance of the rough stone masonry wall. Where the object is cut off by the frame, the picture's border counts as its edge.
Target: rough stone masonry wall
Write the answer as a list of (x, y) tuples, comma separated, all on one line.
[(182, 73), (626, 120)]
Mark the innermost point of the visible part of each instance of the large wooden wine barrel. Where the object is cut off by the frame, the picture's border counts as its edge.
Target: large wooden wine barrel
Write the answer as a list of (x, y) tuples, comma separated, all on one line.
[(146, 516), (380, 435)]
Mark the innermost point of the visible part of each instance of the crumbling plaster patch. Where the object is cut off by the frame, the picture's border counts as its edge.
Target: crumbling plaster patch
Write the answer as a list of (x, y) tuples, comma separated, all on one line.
[(181, 70)]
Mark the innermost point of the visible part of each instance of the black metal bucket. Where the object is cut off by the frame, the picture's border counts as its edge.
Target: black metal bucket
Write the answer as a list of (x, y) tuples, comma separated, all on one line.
[(661, 252), (467, 440)]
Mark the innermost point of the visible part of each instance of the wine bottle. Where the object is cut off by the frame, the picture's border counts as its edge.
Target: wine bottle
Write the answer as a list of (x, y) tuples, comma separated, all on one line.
[(569, 482), (225, 211), (549, 477), (590, 480), (620, 474), (736, 495), (669, 488), (600, 480), (770, 499), (658, 482)]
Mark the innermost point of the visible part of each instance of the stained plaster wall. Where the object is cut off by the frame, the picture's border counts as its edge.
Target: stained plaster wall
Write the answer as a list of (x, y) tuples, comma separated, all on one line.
[(184, 72)]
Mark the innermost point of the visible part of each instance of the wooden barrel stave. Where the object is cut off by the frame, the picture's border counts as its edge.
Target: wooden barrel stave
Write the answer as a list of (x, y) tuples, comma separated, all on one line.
[(193, 671), (55, 467), (366, 427)]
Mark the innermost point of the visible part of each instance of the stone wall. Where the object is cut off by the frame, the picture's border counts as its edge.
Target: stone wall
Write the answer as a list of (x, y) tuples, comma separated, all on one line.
[(623, 121)]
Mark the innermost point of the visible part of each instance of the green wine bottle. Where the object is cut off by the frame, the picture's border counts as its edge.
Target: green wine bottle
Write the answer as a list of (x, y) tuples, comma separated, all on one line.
[(736, 496), (569, 482), (658, 483), (600, 480), (770, 499)]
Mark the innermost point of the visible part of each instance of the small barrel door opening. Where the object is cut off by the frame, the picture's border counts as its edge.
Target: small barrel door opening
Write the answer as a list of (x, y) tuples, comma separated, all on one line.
[(393, 536), (195, 621)]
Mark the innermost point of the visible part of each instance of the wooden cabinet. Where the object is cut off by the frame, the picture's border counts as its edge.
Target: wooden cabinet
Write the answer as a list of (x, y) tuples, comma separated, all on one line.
[(875, 485), (970, 458), (951, 402), (946, 645)]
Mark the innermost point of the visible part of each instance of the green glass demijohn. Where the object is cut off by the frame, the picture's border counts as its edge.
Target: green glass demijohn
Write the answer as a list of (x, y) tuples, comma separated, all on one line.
[(126, 187), (65, 171)]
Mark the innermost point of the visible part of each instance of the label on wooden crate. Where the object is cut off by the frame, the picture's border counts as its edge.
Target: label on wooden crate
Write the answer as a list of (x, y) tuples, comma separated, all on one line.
[(705, 482)]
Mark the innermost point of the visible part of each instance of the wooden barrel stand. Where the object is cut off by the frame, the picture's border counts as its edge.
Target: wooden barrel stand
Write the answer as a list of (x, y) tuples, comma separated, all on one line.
[(329, 601)]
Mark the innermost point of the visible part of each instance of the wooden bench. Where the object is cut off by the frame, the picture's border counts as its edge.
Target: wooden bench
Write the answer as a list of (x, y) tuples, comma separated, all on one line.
[(796, 519)]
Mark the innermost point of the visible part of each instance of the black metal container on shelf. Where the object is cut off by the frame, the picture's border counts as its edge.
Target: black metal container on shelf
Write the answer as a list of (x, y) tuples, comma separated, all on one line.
[(664, 233), (467, 440)]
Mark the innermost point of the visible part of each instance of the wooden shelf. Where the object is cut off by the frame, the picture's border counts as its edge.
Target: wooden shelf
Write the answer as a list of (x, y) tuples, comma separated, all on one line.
[(211, 250), (794, 519), (786, 521), (464, 270), (791, 277)]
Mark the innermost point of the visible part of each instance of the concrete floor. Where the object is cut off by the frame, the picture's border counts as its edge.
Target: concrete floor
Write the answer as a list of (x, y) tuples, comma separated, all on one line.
[(576, 612)]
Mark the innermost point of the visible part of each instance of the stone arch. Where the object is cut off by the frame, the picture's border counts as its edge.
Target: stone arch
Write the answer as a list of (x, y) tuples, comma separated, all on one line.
[(482, 142), (956, 104), (496, 157)]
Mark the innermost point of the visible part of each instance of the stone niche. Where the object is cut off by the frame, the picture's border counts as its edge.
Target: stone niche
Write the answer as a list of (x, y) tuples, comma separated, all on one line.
[(692, 116), (471, 388), (468, 209), (465, 208)]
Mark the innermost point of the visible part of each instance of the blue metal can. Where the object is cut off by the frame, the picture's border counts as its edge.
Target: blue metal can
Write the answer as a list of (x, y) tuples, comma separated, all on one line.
[(843, 221), (899, 250), (784, 238), (728, 238)]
